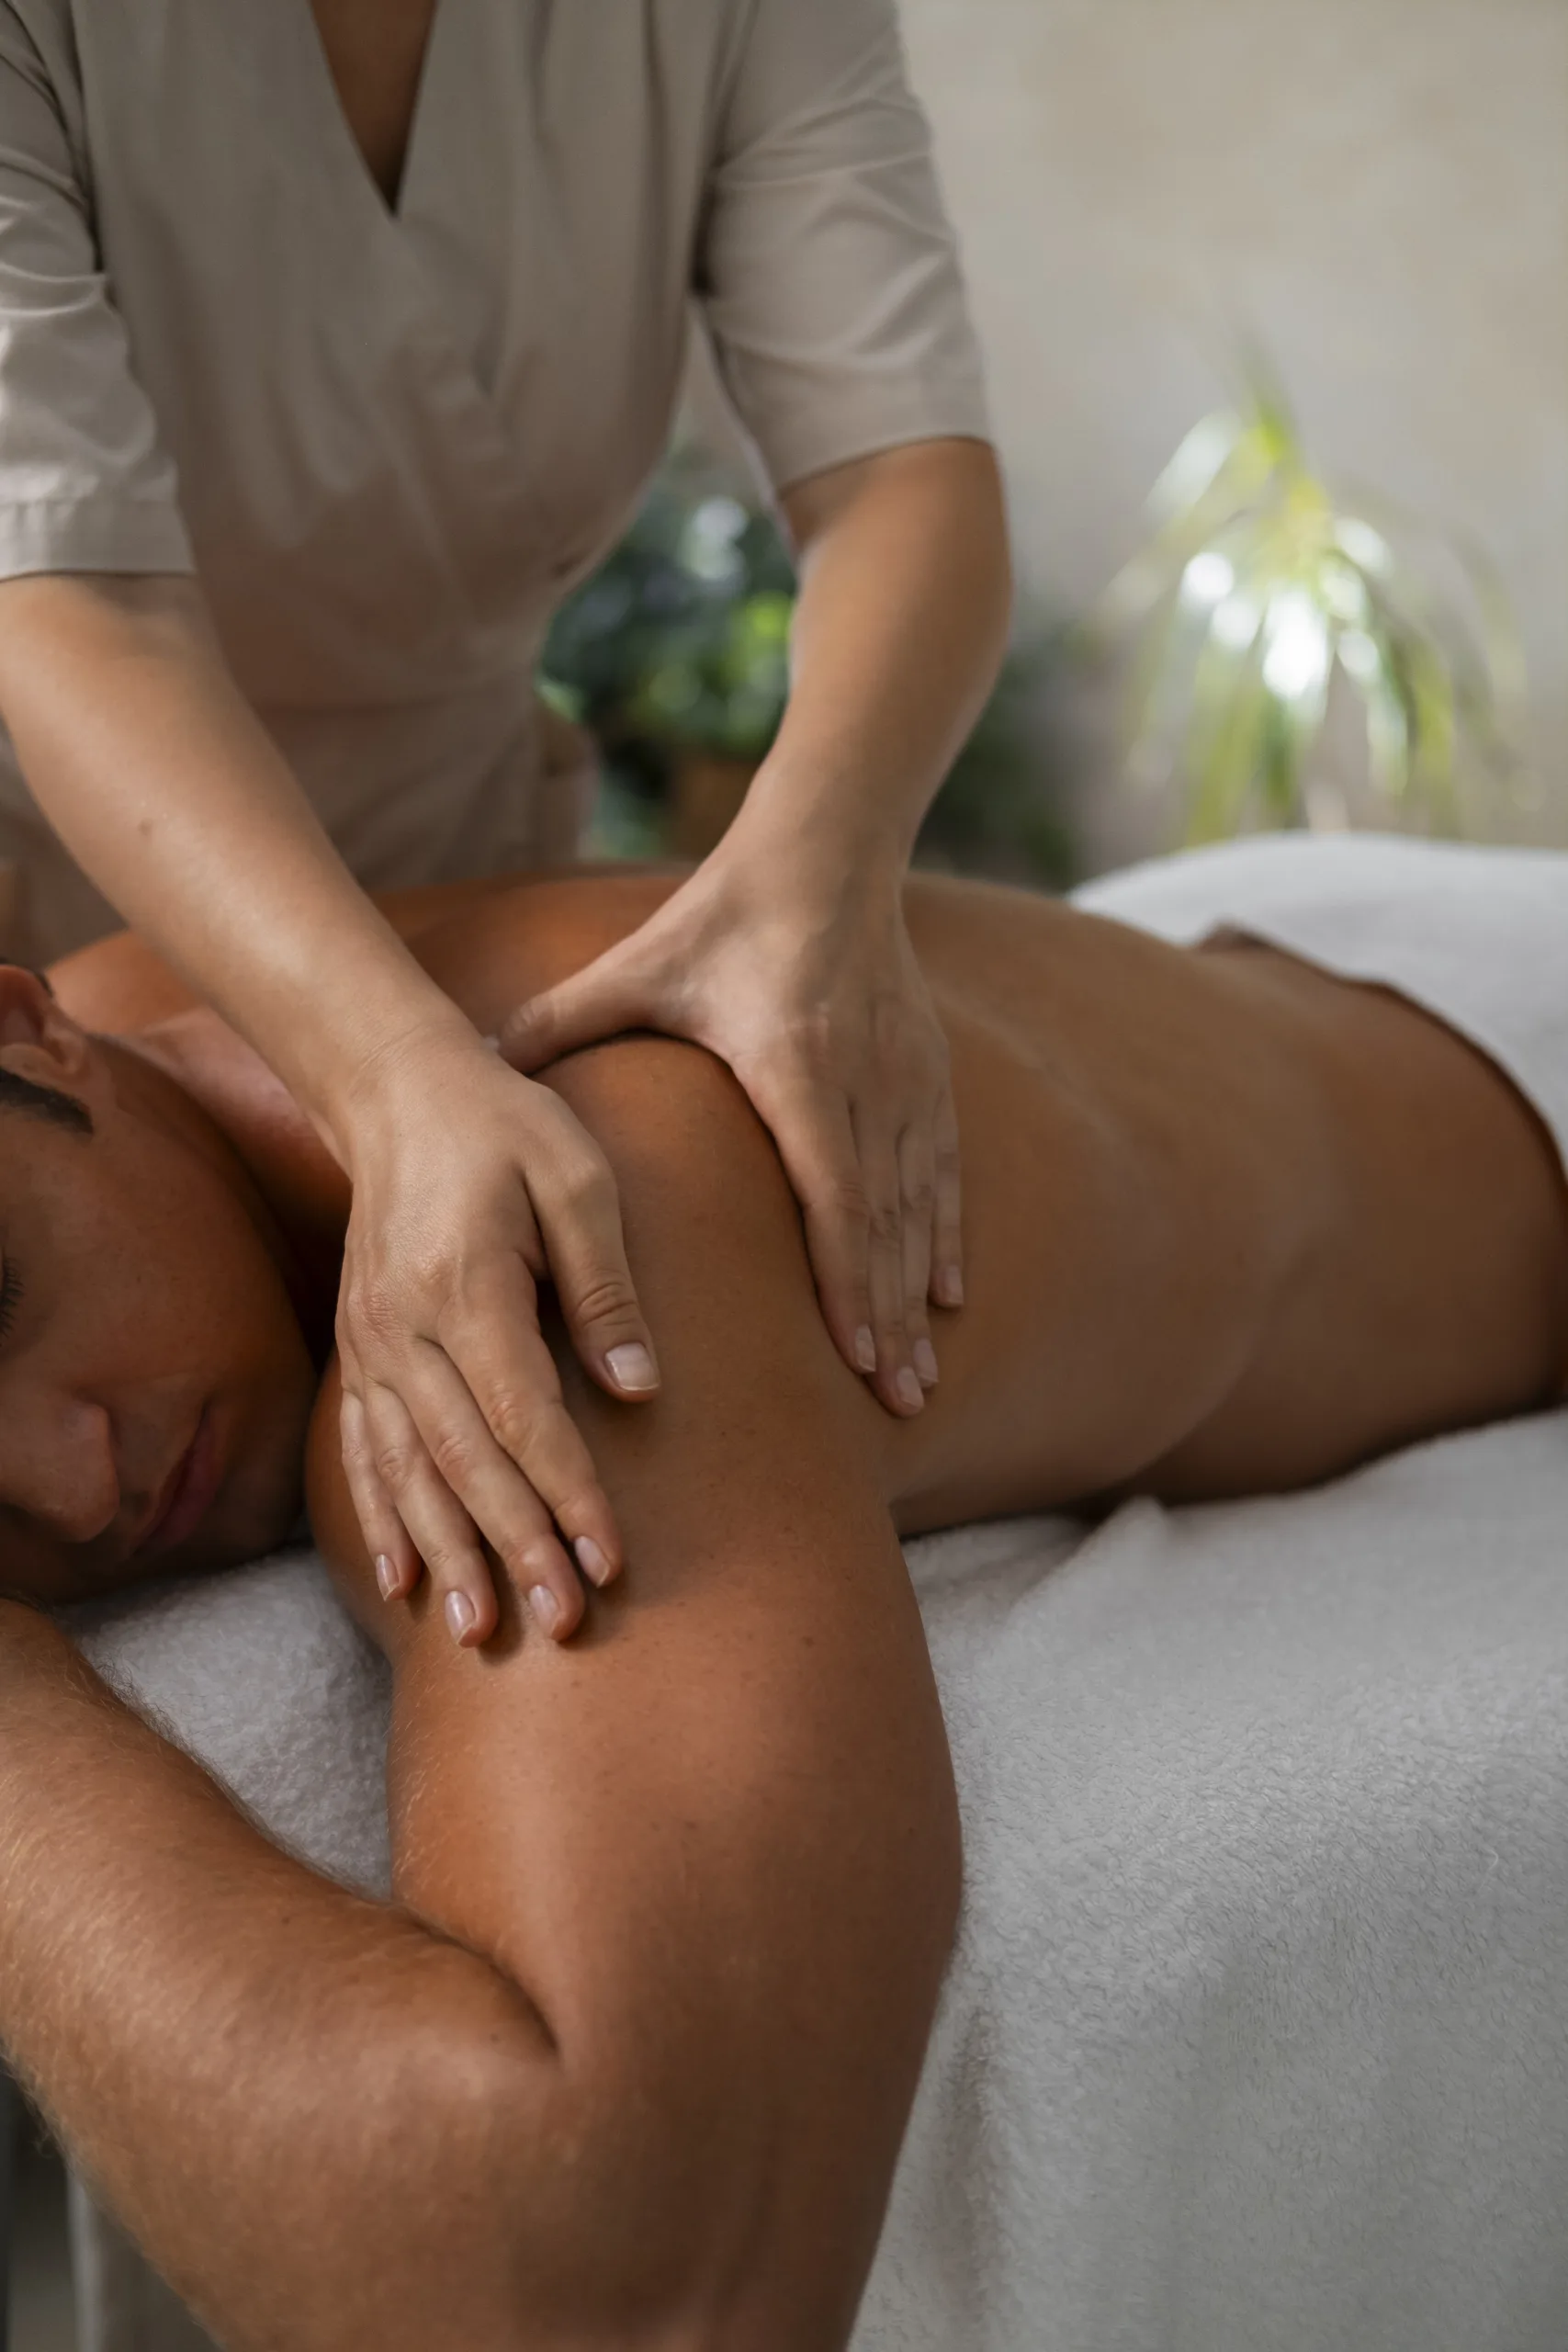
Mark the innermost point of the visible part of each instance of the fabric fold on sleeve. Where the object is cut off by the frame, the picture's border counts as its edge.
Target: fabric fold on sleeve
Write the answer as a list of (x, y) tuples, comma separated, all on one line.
[(85, 483), (827, 267)]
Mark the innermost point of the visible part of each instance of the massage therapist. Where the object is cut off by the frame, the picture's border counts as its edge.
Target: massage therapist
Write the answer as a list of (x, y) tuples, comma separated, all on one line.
[(337, 340)]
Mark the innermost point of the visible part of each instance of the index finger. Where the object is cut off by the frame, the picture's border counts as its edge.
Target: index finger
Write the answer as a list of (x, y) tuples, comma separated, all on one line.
[(816, 1139), (461, 1458), (578, 1209), (947, 1214)]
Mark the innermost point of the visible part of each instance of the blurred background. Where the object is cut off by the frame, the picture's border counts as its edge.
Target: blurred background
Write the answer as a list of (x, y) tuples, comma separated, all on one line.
[(1345, 227), (1346, 223)]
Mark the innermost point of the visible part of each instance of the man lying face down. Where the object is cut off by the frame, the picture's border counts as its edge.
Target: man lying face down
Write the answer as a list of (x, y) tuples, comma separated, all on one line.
[(152, 1316), (627, 2059)]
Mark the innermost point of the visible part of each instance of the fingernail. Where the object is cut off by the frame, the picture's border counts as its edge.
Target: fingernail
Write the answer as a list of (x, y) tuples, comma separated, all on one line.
[(386, 1576), (865, 1349), (591, 1560), (632, 1368), (544, 1606), (460, 1615), (925, 1363), (949, 1286), (911, 1395)]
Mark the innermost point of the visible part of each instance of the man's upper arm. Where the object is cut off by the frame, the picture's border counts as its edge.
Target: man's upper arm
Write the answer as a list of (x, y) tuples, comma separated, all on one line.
[(712, 1837)]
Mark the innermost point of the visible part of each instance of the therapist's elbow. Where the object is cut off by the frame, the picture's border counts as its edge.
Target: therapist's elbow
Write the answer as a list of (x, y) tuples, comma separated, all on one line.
[(950, 485), (62, 627)]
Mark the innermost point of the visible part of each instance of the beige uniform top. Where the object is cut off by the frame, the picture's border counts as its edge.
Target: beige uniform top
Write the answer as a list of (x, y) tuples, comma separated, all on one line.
[(390, 441)]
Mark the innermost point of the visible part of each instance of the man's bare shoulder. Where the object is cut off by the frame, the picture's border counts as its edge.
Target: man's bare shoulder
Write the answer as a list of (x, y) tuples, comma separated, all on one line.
[(118, 986), (470, 936), (122, 984), (492, 951)]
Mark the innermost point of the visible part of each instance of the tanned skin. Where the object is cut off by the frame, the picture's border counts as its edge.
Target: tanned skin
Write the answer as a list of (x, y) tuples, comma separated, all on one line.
[(627, 2060)]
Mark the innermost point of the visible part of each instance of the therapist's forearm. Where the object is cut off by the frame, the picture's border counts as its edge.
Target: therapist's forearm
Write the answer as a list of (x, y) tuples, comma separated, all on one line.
[(906, 592), (168, 791)]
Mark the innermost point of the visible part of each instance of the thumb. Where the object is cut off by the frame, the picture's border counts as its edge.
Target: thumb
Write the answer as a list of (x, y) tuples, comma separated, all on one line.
[(600, 1002)]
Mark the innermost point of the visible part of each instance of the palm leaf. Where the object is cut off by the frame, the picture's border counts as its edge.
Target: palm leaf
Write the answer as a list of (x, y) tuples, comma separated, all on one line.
[(1255, 585)]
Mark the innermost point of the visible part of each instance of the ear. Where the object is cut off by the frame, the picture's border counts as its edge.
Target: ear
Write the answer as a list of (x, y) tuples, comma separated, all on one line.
[(37, 1041)]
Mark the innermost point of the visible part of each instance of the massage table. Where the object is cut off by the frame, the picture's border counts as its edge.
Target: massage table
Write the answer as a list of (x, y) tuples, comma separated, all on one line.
[(1256, 2033)]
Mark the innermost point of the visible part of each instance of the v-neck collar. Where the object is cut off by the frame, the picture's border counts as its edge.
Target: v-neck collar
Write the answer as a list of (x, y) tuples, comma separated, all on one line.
[(439, 276), (428, 240), (348, 155)]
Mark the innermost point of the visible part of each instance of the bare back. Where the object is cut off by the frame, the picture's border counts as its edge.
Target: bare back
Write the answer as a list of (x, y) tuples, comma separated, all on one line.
[(1143, 1130), (1140, 1148)]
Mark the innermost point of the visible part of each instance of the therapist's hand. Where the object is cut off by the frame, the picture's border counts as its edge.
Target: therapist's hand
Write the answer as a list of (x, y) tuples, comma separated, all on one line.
[(812, 995), (471, 1185)]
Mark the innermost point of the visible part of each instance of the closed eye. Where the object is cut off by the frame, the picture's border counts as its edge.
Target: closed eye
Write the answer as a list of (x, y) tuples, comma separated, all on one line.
[(11, 1295)]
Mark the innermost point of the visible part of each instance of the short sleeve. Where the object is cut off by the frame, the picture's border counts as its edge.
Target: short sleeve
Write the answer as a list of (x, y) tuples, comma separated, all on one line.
[(825, 266), (84, 482)]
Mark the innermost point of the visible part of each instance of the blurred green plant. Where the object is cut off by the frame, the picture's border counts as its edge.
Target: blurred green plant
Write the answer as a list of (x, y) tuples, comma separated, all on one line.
[(1257, 586), (679, 644), (1002, 810), (681, 638)]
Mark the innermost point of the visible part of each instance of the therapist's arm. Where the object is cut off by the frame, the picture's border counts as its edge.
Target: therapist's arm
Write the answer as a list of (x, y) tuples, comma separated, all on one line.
[(467, 1182), (906, 590), (786, 954)]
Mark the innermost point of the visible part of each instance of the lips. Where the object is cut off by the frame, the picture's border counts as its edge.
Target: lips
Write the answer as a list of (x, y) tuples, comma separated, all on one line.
[(188, 1492)]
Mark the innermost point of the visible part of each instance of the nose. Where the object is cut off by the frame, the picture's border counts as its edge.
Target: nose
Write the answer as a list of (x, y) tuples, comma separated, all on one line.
[(57, 1465)]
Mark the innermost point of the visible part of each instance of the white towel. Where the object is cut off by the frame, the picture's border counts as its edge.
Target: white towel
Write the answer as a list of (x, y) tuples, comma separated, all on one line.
[(1479, 937), (1257, 2035), (1256, 2038)]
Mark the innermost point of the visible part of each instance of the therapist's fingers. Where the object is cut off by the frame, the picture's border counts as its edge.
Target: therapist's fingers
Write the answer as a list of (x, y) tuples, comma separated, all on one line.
[(947, 1214), (579, 1212), (392, 1551), (816, 1142), (432, 1444), (917, 1189), (438, 1527), (606, 998), (490, 1339), (897, 1383)]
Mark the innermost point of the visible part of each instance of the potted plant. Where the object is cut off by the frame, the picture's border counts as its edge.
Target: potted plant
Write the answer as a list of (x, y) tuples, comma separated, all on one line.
[(1257, 587), (675, 655)]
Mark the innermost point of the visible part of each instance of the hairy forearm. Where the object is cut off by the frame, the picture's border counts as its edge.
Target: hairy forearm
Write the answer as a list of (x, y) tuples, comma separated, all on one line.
[(904, 594), (167, 788), (293, 2097)]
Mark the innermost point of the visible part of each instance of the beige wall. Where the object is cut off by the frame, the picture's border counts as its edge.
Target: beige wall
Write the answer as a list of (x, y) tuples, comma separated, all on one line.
[(1381, 185)]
